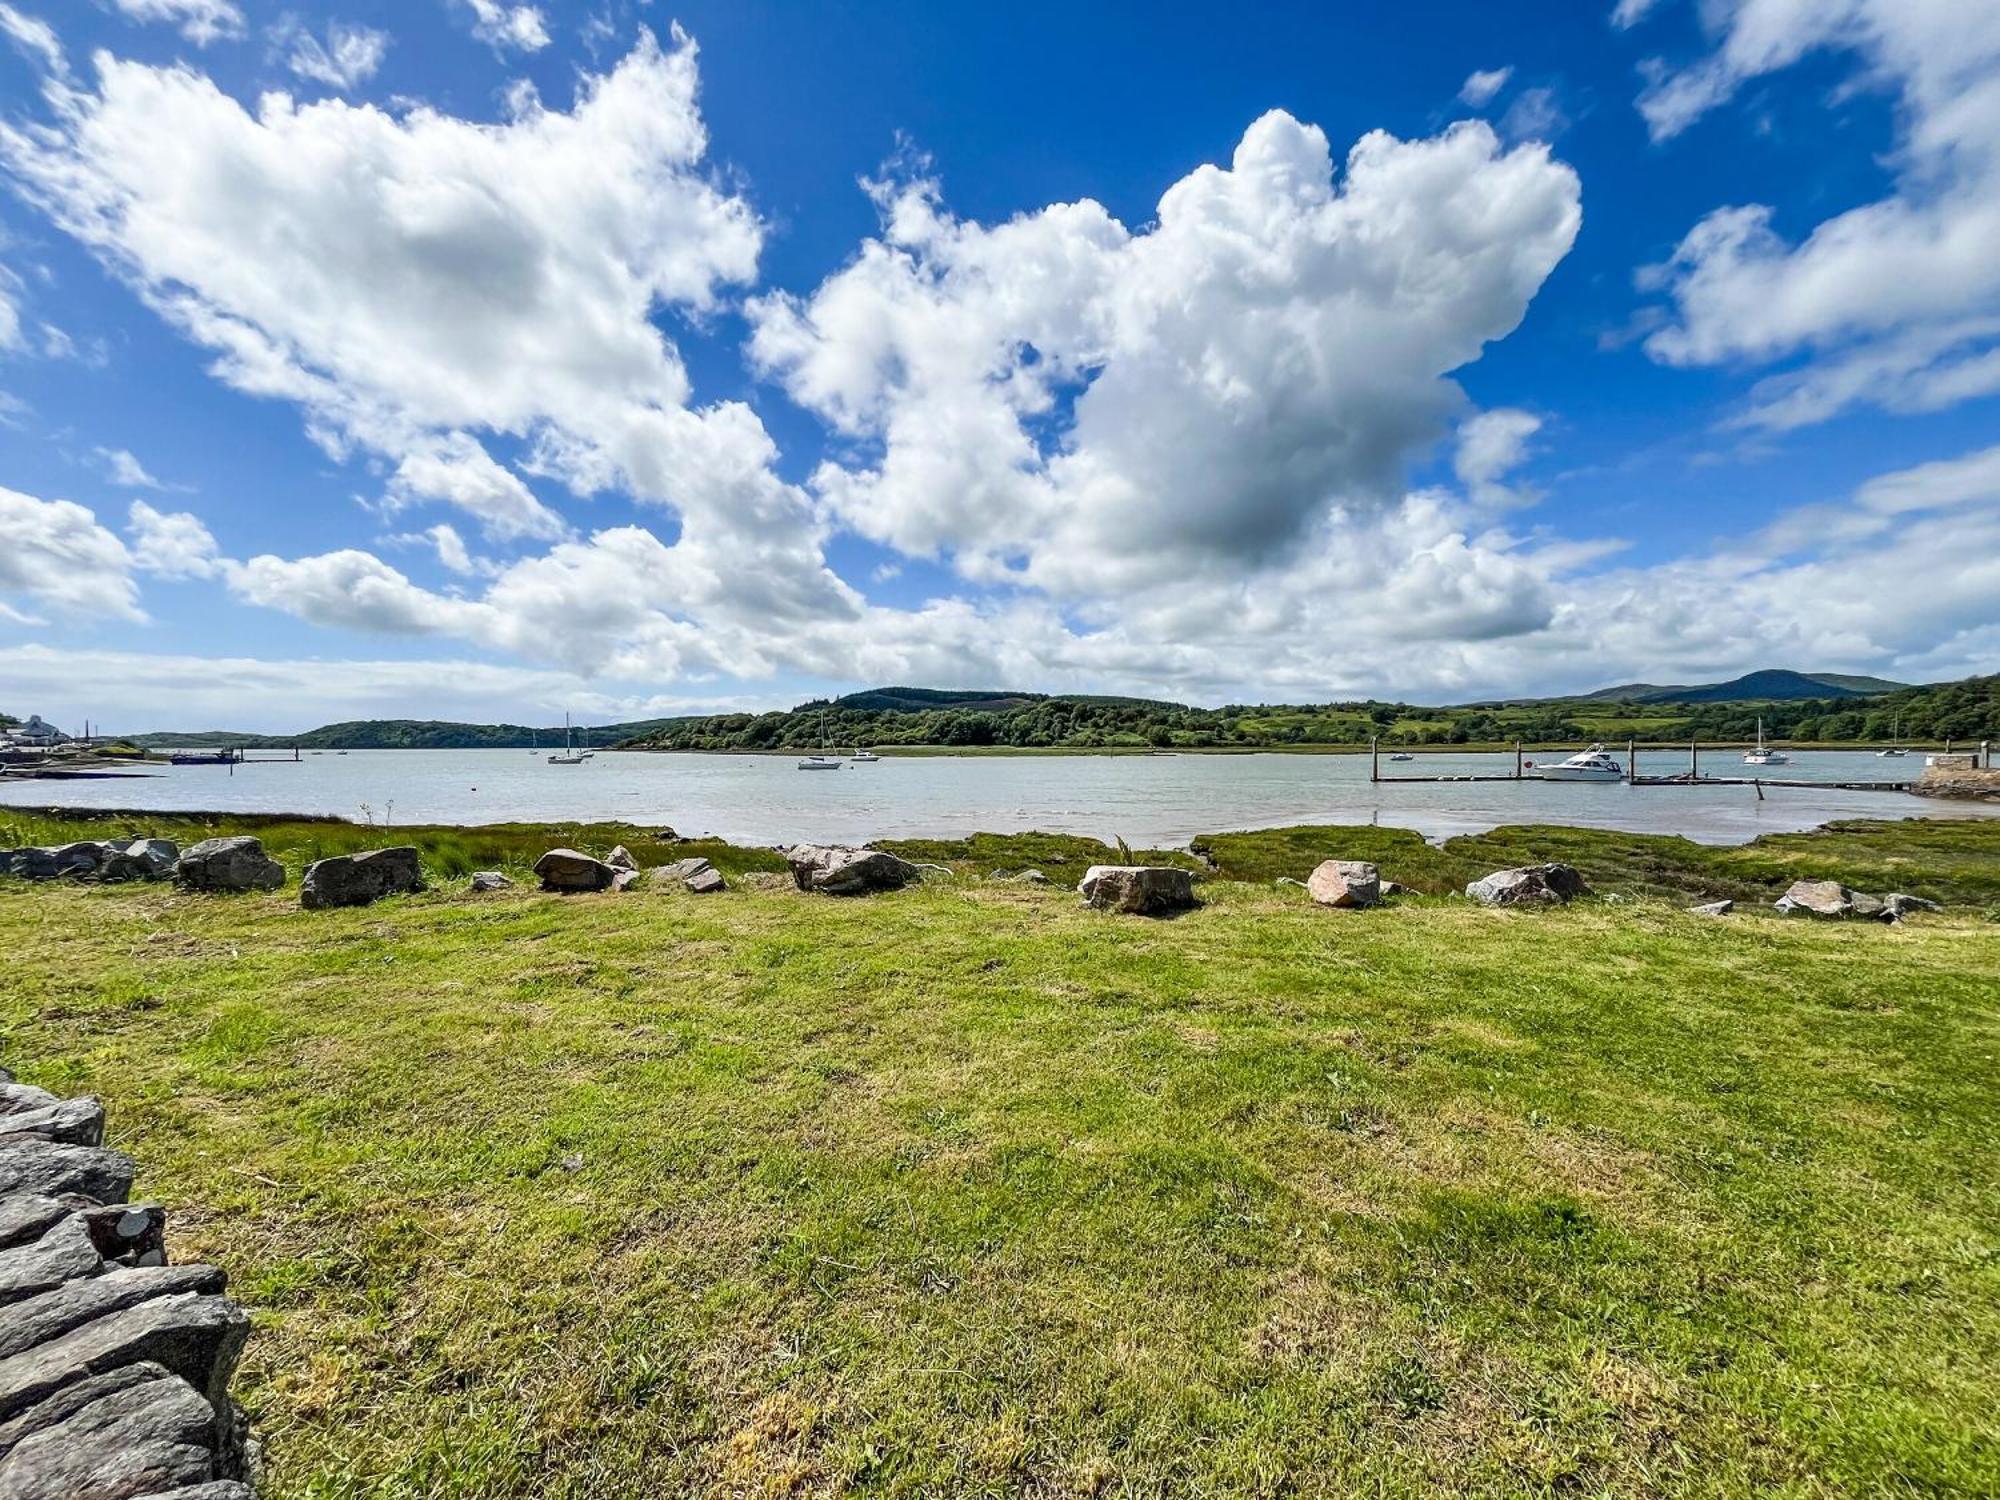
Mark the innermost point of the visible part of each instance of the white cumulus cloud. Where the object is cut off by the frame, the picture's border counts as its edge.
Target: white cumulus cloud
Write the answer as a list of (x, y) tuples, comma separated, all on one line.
[(1895, 302), (54, 552), (1062, 402)]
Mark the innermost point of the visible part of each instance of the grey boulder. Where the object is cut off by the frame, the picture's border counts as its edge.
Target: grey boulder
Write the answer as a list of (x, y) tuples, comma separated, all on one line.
[(1896, 906), (566, 871), (63, 1253), (195, 1336), (1144, 890), (837, 871), (358, 879), (490, 880), (29, 1164), (1712, 909), (1818, 898), (152, 1434), (620, 858), (74, 1122), (696, 875), (238, 863), (1345, 883), (54, 1312), (1551, 885)]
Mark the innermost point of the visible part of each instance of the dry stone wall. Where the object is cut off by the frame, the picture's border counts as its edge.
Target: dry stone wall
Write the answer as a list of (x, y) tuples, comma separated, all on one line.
[(114, 1364)]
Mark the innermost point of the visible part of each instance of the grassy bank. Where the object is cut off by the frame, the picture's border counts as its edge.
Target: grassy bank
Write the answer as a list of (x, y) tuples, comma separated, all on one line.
[(966, 1190)]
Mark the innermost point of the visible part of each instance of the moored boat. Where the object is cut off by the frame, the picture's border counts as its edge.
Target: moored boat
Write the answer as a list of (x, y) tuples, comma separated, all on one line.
[(1594, 764)]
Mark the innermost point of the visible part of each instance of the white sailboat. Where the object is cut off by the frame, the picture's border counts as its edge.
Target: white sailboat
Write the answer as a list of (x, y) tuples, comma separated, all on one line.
[(1594, 764), (1764, 755), (1895, 738), (821, 761), (569, 757)]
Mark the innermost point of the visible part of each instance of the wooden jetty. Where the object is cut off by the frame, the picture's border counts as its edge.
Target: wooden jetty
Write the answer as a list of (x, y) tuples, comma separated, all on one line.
[(1692, 776)]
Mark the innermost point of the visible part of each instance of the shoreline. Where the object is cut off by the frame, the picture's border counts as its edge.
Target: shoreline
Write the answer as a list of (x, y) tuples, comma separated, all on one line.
[(612, 829)]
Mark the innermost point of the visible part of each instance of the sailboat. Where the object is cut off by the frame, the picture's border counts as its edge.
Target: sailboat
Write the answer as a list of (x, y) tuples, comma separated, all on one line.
[(569, 757), (821, 761), (1895, 735), (1764, 755)]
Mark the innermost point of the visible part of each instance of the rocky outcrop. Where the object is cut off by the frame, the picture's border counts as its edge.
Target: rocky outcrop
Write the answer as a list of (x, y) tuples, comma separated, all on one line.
[(1958, 777), (567, 872), (114, 1366), (1145, 890), (837, 871), (1530, 885), (358, 879), (1345, 883), (86, 859), (231, 864)]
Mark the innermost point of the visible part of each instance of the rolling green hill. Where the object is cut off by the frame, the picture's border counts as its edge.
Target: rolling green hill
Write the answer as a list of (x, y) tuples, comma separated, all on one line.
[(1850, 709)]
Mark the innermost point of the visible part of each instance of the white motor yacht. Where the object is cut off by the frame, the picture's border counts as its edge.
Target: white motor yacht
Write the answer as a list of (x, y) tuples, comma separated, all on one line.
[(864, 757), (1594, 764), (1402, 755), (1764, 755)]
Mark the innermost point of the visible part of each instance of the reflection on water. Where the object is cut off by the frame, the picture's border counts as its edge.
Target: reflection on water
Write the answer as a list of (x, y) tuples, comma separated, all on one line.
[(1150, 800)]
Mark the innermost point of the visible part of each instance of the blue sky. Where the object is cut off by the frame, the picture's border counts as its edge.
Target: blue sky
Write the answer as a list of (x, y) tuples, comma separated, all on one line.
[(483, 359)]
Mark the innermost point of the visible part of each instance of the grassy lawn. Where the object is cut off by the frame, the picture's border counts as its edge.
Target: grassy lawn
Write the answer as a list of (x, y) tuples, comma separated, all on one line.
[(969, 1191)]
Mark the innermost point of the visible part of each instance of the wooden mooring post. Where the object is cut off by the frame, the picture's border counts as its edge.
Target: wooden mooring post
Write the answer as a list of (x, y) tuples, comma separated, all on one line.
[(1375, 758)]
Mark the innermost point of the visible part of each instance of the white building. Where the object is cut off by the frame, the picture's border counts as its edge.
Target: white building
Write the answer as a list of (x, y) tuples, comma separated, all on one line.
[(37, 731)]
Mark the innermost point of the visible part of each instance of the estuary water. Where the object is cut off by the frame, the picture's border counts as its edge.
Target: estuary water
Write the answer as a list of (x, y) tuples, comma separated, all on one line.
[(1155, 800)]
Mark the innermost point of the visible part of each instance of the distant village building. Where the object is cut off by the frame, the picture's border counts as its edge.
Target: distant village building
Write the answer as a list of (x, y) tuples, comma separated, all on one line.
[(37, 731)]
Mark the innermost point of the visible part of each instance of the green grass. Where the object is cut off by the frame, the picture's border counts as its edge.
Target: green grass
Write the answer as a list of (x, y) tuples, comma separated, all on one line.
[(970, 1191), (1952, 860)]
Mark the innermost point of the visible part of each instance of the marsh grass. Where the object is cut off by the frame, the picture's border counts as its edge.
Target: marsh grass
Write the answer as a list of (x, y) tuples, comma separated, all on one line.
[(970, 1191)]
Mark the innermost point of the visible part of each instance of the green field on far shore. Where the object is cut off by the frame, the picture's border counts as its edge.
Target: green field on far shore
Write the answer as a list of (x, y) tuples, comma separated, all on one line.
[(969, 1190)]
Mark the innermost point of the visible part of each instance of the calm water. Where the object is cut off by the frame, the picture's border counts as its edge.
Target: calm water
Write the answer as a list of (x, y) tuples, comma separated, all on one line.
[(1149, 800)]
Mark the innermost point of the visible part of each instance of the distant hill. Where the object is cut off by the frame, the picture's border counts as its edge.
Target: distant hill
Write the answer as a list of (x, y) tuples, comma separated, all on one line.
[(912, 700), (1774, 685), (1796, 706), (404, 734)]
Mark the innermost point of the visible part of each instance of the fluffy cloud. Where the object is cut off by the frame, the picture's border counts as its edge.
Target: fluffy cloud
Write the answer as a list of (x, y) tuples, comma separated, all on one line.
[(53, 552), (1896, 301), (200, 21), (348, 57), (416, 280), (1480, 87), (1060, 402), (518, 28), (170, 546)]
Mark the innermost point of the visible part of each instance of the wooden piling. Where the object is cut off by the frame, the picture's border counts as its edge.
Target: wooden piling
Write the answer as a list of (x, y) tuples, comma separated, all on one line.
[(1375, 758)]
